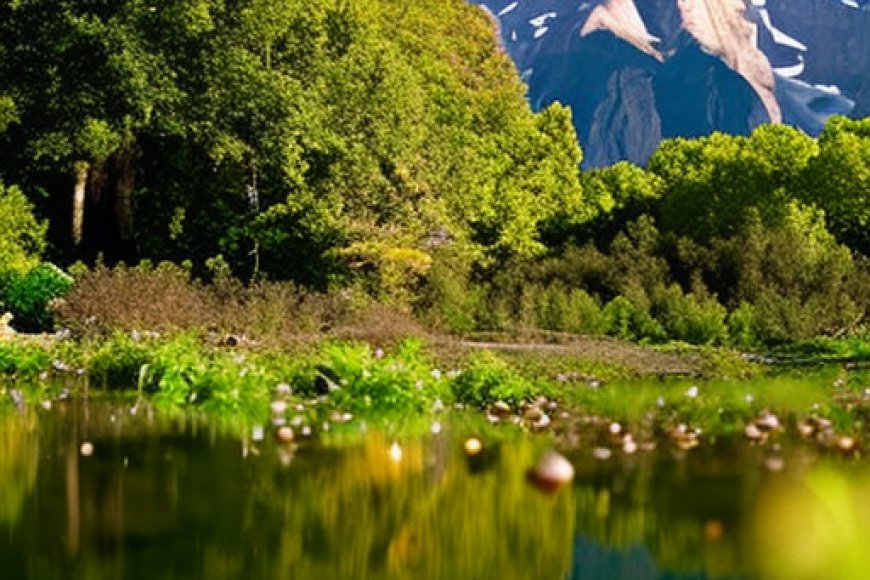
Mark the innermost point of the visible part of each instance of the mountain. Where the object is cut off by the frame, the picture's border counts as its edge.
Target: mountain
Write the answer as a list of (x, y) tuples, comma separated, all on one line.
[(637, 71)]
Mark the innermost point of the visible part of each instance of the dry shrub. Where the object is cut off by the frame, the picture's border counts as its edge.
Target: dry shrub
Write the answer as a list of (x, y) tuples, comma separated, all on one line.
[(166, 299), (162, 298), (281, 312), (381, 325)]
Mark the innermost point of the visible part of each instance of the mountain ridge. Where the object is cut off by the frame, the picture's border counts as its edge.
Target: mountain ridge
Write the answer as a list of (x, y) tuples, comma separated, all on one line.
[(635, 72)]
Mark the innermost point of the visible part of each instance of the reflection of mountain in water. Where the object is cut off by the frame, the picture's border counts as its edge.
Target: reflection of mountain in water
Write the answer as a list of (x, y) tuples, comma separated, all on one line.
[(592, 561), (636, 72)]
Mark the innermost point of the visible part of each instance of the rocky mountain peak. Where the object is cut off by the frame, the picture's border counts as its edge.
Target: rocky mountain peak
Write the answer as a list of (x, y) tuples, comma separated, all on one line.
[(637, 71)]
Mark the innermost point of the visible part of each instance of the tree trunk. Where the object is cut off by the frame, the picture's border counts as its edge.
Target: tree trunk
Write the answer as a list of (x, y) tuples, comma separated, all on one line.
[(78, 213), (126, 181)]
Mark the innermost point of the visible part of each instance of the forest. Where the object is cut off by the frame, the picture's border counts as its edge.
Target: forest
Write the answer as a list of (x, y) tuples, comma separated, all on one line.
[(386, 149)]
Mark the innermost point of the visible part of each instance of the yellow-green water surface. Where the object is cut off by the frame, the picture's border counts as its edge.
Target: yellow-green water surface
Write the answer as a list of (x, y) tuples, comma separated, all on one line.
[(105, 490)]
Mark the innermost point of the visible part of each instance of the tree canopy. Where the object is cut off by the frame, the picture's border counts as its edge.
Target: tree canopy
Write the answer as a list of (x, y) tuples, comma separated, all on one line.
[(281, 135)]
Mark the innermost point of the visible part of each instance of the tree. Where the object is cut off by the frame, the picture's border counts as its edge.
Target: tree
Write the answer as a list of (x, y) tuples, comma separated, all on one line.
[(712, 183), (22, 236), (838, 180), (279, 134)]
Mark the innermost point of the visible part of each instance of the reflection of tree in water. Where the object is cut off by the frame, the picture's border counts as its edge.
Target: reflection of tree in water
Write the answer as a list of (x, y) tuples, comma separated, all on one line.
[(159, 501), (429, 516), (19, 456)]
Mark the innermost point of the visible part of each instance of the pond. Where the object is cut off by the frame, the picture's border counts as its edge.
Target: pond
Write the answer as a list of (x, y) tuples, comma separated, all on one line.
[(110, 489)]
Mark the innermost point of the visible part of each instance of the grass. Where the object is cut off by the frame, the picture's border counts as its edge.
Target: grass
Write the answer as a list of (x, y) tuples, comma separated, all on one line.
[(354, 379)]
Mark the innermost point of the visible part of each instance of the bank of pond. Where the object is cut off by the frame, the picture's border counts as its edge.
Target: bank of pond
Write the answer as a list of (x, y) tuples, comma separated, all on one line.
[(348, 461)]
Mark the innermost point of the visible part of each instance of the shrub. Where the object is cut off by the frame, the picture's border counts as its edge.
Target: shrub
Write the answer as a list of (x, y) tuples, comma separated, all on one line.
[(448, 298), (22, 360), (692, 318), (166, 299), (742, 326), (22, 236), (29, 296), (557, 308), (800, 282), (585, 315), (117, 363), (487, 379), (144, 297), (628, 321), (402, 380)]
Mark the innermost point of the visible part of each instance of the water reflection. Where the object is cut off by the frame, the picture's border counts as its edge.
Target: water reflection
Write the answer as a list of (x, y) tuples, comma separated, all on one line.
[(19, 451), (180, 498)]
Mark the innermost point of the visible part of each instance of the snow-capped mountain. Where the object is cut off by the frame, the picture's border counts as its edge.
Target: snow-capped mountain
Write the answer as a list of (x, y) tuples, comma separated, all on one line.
[(637, 71)]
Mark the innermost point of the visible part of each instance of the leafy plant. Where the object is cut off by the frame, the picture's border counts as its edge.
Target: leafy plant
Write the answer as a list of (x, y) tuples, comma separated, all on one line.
[(22, 236), (402, 380), (29, 296), (487, 379)]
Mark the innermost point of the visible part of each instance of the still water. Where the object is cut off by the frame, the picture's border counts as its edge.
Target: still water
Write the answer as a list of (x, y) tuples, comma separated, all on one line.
[(176, 498)]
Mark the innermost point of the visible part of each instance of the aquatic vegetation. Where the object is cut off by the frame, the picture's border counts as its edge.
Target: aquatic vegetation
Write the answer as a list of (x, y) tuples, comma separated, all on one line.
[(320, 387), (364, 380), (23, 361)]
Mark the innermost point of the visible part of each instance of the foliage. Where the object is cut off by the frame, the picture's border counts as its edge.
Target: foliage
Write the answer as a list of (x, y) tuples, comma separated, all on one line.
[(559, 309), (362, 381), (448, 298), (691, 318), (487, 378), (145, 297), (23, 361), (22, 236), (166, 299), (630, 321), (117, 362), (837, 180), (711, 183), (742, 326), (799, 281), (284, 135), (29, 296), (357, 161)]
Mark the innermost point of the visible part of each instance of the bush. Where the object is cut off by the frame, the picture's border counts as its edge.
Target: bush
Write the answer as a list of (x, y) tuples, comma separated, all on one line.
[(487, 379), (29, 296), (118, 362), (23, 361), (742, 326), (557, 308), (448, 298), (166, 299), (22, 236), (628, 321), (799, 281), (399, 381), (692, 318), (144, 297)]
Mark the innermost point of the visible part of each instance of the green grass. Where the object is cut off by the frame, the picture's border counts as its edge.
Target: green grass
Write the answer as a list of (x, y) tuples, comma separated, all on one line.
[(185, 372)]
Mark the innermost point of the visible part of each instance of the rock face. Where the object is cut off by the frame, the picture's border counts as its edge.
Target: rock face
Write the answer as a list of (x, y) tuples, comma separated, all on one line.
[(637, 71)]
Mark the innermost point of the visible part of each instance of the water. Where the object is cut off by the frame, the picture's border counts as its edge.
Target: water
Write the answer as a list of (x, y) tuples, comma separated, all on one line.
[(175, 498)]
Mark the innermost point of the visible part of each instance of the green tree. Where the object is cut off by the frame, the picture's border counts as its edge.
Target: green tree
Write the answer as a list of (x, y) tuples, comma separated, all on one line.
[(22, 236), (711, 184), (838, 180)]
